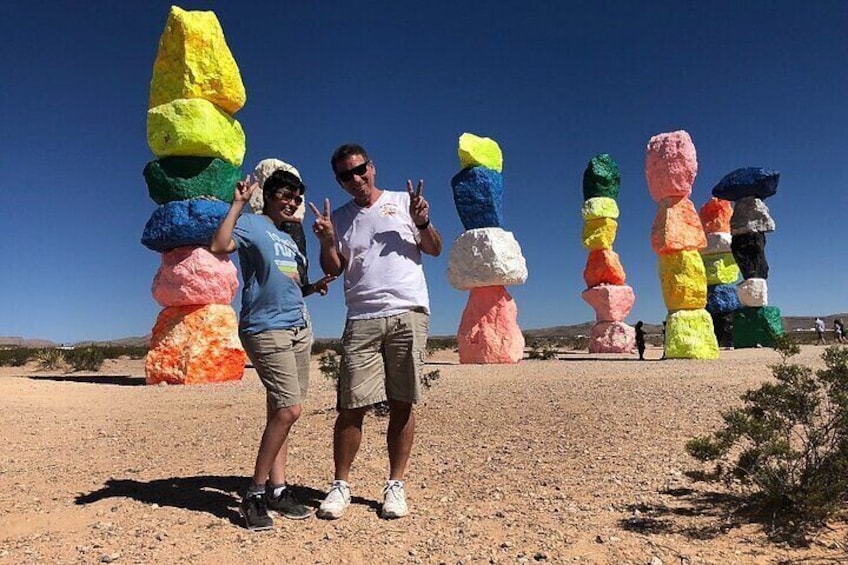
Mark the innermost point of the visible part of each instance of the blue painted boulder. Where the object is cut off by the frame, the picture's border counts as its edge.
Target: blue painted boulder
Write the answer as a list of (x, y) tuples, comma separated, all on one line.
[(750, 181), (722, 299), (183, 222), (478, 195)]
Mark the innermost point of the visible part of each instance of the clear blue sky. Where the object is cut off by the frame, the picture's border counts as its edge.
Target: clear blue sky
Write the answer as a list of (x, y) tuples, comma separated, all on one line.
[(760, 83)]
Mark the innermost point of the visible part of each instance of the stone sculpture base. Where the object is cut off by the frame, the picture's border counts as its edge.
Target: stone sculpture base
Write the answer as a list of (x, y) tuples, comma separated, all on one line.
[(195, 345), (753, 327), (489, 332), (612, 337), (690, 335)]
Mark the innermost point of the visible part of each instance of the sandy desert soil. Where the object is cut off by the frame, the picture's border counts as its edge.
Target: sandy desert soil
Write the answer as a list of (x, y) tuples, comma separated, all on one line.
[(577, 460)]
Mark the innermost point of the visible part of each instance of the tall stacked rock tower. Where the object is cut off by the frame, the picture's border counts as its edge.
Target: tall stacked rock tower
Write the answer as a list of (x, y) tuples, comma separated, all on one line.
[(757, 323), (485, 258), (676, 236), (722, 271), (606, 292), (196, 87)]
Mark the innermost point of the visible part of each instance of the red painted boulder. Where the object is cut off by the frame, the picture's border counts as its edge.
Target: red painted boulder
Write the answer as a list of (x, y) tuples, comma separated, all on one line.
[(195, 345), (603, 267), (715, 215), (489, 332)]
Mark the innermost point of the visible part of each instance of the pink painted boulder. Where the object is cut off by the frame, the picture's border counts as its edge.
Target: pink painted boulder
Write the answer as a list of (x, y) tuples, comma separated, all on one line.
[(670, 165), (489, 332), (612, 303), (612, 337), (194, 275)]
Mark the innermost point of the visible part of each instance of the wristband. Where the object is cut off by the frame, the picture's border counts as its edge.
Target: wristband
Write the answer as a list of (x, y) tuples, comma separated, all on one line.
[(423, 226)]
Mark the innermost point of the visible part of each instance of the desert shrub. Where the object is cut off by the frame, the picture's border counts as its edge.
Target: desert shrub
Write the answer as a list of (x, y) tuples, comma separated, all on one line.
[(320, 346), (86, 358), (541, 352), (329, 365), (789, 440), (15, 357), (118, 351), (429, 378), (440, 343), (50, 359)]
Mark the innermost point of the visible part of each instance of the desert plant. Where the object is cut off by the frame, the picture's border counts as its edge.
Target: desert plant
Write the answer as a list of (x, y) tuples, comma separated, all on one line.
[(429, 378), (86, 358), (50, 359), (542, 352), (789, 440), (15, 357), (329, 365)]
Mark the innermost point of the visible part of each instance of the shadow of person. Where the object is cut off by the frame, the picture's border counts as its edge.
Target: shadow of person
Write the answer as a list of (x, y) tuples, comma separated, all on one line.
[(212, 494), (117, 380)]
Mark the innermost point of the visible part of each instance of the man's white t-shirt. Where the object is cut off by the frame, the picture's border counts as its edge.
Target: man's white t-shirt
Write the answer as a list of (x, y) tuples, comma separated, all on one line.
[(383, 276)]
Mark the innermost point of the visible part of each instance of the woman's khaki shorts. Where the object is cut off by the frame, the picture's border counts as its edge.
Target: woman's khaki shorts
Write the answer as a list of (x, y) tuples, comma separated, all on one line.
[(281, 359), (382, 358)]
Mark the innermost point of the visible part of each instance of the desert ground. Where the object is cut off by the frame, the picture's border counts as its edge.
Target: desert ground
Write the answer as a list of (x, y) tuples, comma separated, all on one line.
[(574, 460)]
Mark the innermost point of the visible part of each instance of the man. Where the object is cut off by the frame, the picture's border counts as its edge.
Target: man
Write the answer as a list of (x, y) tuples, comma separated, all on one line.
[(376, 239), (820, 331)]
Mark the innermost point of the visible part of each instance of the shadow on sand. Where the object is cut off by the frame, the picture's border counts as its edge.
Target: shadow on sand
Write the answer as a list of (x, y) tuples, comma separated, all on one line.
[(116, 380), (212, 494)]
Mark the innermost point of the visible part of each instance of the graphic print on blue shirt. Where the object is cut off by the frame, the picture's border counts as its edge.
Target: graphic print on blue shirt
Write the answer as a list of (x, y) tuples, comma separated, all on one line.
[(271, 297)]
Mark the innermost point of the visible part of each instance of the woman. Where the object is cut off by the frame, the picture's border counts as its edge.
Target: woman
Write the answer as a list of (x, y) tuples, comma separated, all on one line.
[(274, 330), (839, 330)]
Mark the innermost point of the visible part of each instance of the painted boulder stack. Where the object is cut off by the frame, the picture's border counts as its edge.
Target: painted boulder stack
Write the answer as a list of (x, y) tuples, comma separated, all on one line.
[(671, 165), (721, 269), (756, 323), (605, 291), (485, 258), (195, 89)]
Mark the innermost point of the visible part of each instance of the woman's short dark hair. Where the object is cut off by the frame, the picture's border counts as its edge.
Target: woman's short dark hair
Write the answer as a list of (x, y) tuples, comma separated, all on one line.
[(346, 151), (281, 179)]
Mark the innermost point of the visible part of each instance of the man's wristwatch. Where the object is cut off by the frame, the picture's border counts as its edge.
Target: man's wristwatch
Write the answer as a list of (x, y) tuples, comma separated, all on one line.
[(423, 226)]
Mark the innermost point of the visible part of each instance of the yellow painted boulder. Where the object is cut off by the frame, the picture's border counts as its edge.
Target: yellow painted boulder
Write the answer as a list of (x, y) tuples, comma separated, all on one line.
[(194, 127), (721, 268), (599, 207), (683, 280), (194, 61), (475, 151), (599, 233), (195, 345), (690, 335)]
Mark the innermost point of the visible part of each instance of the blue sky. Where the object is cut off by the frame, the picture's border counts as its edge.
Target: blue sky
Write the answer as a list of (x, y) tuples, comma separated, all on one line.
[(758, 83)]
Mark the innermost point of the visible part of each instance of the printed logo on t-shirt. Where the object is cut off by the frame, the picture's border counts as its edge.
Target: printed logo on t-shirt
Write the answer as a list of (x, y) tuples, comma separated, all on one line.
[(285, 255), (388, 209)]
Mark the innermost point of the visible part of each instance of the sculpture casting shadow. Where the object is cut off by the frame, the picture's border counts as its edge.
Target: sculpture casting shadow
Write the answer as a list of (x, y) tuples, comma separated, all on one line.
[(116, 380), (213, 494)]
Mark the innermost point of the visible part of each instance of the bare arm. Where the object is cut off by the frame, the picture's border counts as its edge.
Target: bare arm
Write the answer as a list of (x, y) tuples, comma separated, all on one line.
[(419, 209), (222, 240), (332, 262)]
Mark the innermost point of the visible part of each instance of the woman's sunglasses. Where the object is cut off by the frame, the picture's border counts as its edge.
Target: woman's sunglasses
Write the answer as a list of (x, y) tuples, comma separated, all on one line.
[(288, 196), (359, 170)]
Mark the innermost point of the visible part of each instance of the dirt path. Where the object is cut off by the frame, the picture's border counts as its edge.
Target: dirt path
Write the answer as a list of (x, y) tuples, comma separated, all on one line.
[(578, 460)]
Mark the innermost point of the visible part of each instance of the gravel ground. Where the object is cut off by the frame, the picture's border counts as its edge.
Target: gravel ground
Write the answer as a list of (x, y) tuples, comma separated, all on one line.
[(574, 460)]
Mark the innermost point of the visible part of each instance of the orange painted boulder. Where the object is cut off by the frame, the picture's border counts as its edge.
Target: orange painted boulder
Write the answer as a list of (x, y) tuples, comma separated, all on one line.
[(677, 227), (489, 332), (195, 345), (715, 215), (603, 267)]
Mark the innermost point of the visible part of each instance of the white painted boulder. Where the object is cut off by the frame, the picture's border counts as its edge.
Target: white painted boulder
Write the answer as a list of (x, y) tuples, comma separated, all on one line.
[(486, 257), (753, 292)]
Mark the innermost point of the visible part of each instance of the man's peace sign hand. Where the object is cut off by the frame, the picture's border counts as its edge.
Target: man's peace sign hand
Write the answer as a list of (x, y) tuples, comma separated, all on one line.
[(419, 209), (323, 226)]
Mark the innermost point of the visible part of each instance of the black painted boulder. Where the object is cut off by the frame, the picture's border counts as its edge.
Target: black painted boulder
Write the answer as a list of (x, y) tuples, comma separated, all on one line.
[(750, 181), (754, 327), (183, 178), (601, 177), (749, 251), (723, 327)]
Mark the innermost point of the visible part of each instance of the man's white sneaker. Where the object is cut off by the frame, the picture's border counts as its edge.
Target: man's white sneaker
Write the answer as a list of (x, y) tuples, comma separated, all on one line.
[(394, 500), (336, 502)]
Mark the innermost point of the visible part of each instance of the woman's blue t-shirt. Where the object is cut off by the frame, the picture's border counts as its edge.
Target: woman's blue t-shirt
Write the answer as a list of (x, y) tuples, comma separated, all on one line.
[(271, 298)]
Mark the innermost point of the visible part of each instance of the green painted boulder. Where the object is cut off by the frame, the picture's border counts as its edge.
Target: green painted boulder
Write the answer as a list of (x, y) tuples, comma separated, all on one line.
[(184, 178), (754, 327), (601, 177)]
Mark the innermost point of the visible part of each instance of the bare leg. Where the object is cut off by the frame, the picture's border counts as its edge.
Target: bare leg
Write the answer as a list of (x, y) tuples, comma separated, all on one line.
[(399, 437), (277, 475), (347, 436), (275, 435)]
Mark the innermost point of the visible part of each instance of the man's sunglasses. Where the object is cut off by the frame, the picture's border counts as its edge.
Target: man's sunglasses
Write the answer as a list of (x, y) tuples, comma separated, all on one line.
[(359, 170), (288, 196)]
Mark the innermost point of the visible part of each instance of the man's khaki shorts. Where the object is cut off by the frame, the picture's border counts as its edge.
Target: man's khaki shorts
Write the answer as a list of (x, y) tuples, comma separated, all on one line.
[(382, 358), (281, 358)]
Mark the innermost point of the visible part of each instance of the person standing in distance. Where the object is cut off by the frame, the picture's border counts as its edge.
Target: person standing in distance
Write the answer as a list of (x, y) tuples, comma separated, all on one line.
[(376, 240)]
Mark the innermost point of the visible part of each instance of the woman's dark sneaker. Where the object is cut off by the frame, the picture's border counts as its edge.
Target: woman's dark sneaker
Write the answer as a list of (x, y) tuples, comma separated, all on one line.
[(255, 513), (286, 505)]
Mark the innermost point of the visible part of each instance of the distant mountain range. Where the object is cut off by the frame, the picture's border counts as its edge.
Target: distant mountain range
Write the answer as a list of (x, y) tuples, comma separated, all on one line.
[(790, 324)]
